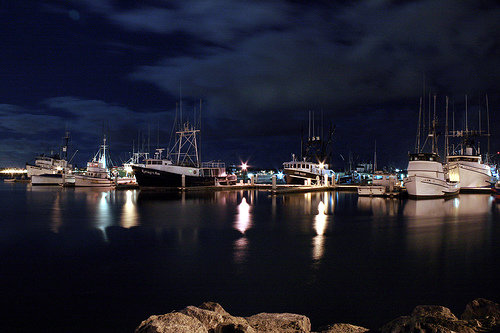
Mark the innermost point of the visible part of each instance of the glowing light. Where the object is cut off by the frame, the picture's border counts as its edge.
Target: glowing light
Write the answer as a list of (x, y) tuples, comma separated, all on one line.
[(321, 165), (242, 222), (319, 227), (14, 171), (280, 175), (244, 166), (129, 214), (128, 169), (250, 175)]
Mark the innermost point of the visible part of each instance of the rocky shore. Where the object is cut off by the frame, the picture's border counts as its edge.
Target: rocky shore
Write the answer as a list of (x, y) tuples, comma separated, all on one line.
[(480, 315)]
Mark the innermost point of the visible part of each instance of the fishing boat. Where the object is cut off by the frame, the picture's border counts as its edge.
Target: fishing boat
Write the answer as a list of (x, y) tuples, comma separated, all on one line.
[(97, 174), (182, 166), (426, 176), (50, 169), (313, 165), (464, 164)]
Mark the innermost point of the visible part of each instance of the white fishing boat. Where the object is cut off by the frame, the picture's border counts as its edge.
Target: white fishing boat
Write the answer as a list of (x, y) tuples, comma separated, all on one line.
[(426, 176), (312, 167), (465, 165), (97, 174), (50, 170)]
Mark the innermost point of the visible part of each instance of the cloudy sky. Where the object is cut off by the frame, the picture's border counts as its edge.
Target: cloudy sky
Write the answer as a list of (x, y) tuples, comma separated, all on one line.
[(257, 66)]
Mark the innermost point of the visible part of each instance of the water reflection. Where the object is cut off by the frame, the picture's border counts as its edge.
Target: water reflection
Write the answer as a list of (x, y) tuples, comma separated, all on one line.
[(129, 212), (320, 223), (465, 204), (242, 224), (379, 206)]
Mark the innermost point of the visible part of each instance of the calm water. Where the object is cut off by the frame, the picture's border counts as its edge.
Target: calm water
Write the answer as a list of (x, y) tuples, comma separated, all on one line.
[(92, 260)]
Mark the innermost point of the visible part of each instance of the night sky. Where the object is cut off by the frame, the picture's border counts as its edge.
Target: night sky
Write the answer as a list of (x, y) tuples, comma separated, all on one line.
[(258, 66)]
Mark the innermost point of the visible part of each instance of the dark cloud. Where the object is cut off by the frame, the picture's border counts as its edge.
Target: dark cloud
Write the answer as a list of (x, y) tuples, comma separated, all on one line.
[(259, 66)]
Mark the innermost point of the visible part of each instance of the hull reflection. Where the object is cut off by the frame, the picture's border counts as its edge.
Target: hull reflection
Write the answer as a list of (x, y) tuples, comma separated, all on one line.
[(465, 204)]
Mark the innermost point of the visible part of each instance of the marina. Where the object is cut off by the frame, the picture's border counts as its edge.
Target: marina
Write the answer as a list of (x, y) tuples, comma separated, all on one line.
[(250, 166)]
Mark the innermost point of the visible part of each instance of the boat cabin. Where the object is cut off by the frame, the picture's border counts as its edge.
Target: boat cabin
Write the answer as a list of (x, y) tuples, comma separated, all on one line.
[(424, 157)]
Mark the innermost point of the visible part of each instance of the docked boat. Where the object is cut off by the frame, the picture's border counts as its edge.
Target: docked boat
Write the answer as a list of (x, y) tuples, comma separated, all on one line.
[(50, 169), (470, 172), (313, 165), (383, 184), (426, 177), (465, 164), (97, 174), (182, 167)]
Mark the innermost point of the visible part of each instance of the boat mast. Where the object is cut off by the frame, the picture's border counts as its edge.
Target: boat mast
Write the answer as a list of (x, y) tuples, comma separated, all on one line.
[(466, 122), (446, 137), (488, 119), (417, 147), (375, 157), (434, 142)]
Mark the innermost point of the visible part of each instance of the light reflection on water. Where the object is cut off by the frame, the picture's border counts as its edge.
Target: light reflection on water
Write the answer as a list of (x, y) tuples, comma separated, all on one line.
[(333, 248)]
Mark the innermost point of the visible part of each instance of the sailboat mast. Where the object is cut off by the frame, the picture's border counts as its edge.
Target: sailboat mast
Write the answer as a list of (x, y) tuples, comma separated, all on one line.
[(375, 157)]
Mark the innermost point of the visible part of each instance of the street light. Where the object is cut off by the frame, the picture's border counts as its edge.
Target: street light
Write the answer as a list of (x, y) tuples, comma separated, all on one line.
[(244, 166)]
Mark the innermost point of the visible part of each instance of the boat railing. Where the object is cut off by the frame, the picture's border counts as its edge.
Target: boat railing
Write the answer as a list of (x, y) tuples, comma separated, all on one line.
[(213, 165)]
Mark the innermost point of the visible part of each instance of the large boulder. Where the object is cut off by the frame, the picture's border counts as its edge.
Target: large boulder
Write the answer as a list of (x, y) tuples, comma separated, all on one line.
[(343, 328), (486, 312), (280, 323), (428, 318), (174, 322), (212, 315)]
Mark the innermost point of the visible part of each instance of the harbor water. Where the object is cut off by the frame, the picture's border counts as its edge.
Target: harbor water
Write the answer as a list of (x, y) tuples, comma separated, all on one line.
[(102, 260)]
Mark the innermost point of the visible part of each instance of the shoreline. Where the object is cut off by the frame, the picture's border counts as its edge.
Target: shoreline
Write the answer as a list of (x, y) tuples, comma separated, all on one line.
[(480, 315)]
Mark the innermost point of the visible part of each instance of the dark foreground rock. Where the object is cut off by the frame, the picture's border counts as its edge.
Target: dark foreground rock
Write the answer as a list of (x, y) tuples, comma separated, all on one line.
[(480, 315), (280, 322)]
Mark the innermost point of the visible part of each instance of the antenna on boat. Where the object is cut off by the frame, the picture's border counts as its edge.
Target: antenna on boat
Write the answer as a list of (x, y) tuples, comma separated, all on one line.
[(446, 143), (417, 147), (466, 122), (199, 148), (488, 119), (180, 103), (309, 137)]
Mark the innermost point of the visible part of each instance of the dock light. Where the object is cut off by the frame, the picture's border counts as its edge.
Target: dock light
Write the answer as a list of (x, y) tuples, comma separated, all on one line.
[(244, 166), (321, 165), (280, 175)]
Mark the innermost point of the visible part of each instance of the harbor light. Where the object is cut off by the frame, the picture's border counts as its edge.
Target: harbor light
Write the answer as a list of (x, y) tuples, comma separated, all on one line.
[(321, 165), (244, 166)]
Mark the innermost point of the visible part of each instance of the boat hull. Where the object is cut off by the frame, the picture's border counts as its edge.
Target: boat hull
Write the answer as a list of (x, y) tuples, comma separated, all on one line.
[(373, 190), (471, 177), (147, 177), (429, 187), (86, 181), (47, 180), (299, 177)]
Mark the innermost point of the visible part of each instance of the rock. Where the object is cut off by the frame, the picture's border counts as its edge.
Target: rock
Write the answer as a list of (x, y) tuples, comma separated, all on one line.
[(233, 328), (433, 311), (484, 312), (343, 328), (280, 323), (174, 322), (212, 314), (215, 307), (481, 308), (429, 318)]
